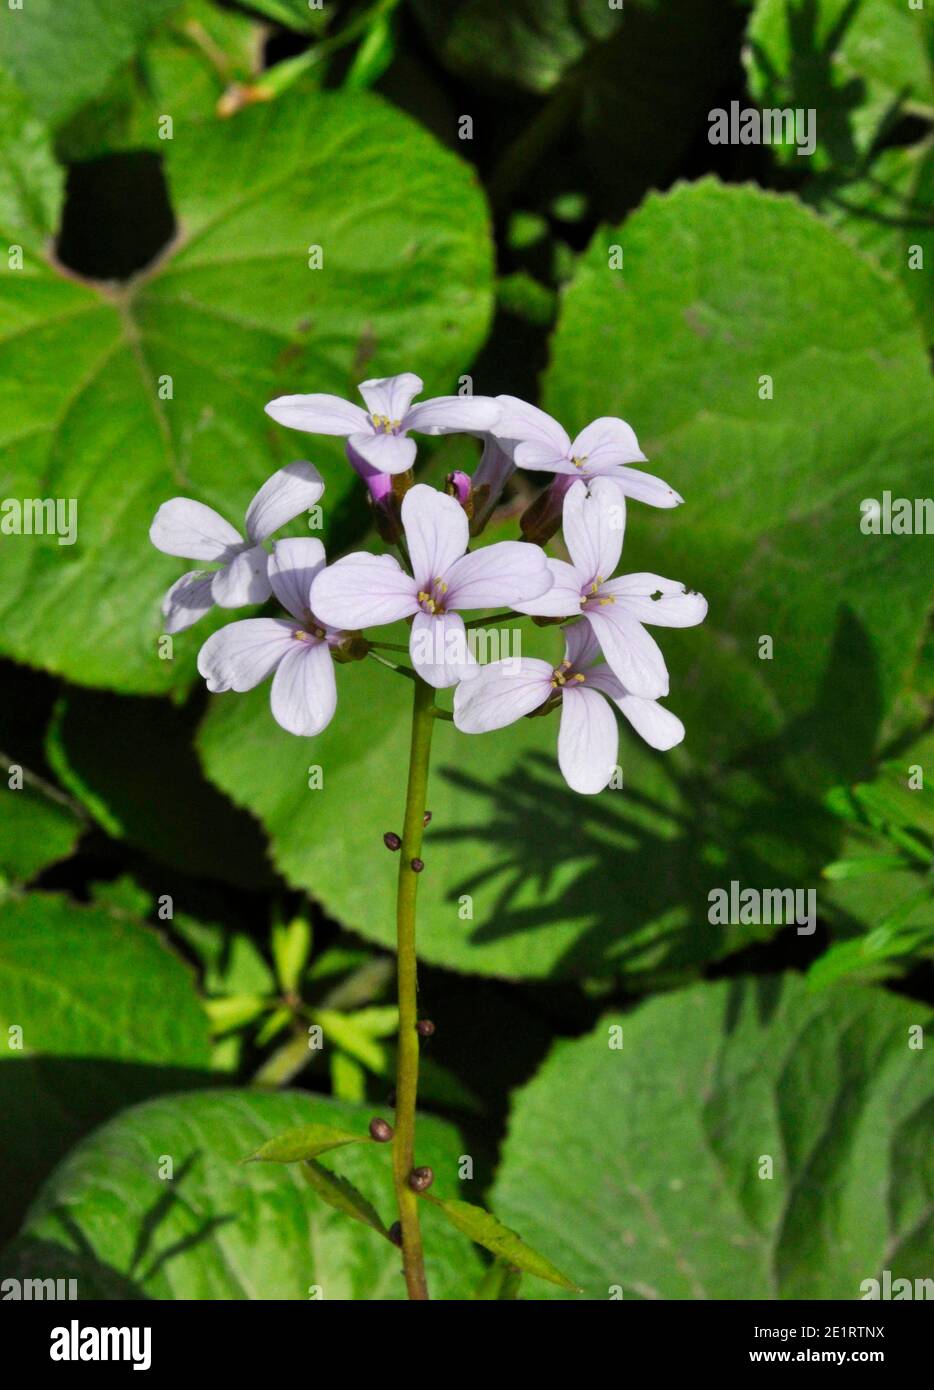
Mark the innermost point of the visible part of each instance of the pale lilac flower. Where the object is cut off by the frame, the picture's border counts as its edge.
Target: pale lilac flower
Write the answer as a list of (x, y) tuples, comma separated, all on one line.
[(380, 433), (297, 649), (196, 532), (616, 609), (605, 448), (365, 590), (588, 736)]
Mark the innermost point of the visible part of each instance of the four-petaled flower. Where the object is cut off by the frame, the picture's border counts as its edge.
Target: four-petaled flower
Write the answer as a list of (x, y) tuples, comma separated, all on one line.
[(379, 434), (366, 590), (237, 657), (194, 531), (604, 449), (616, 609), (588, 737)]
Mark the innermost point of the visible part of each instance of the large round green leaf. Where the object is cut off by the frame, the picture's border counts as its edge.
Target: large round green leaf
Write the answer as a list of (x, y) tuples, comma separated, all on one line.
[(233, 315), (745, 1140), (114, 1217), (95, 1012)]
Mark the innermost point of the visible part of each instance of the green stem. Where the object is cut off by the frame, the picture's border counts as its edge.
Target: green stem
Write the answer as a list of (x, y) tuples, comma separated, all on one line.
[(403, 1155)]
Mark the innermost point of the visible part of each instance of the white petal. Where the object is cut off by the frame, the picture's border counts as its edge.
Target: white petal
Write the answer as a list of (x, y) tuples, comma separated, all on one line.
[(304, 693), (501, 575), (363, 590), (606, 442), (387, 453), (190, 529), (390, 395), (500, 694), (562, 600), (244, 579), (594, 520), (289, 492), (539, 458), (658, 726), (675, 607), (318, 414), (588, 740), (240, 655), (633, 656), (188, 600), (436, 532), (446, 414), (644, 487), (439, 651), (520, 423), (292, 566)]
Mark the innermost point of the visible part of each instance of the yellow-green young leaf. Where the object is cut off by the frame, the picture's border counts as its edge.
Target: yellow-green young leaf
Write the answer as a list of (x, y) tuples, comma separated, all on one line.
[(234, 1011), (308, 1141), (291, 944), (342, 1030), (341, 1194), (484, 1228), (501, 1281), (348, 1077)]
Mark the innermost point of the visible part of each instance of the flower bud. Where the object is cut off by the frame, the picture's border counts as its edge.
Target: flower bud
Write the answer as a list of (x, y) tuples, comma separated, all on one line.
[(420, 1179), (458, 486), (541, 520)]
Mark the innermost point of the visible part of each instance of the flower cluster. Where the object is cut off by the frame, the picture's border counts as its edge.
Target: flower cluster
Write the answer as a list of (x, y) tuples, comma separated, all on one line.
[(609, 657)]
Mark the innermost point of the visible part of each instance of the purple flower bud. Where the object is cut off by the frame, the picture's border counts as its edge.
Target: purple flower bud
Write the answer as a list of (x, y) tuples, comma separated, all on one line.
[(457, 484)]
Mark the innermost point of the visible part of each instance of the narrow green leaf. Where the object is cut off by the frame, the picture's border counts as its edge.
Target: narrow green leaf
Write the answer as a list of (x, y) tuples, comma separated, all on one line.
[(291, 947), (343, 1031), (484, 1228), (342, 1195), (858, 868), (501, 1281), (308, 1141)]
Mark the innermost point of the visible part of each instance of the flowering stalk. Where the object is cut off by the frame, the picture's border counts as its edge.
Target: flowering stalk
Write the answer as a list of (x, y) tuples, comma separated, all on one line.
[(403, 1158)]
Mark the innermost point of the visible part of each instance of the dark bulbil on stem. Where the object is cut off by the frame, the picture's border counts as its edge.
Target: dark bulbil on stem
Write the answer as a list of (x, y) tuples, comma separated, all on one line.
[(426, 818), (395, 1234), (420, 1179), (380, 1130), (417, 865), (424, 1027), (392, 841)]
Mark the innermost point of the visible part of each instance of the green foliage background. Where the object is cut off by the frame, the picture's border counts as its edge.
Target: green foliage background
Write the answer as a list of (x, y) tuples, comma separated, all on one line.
[(524, 194)]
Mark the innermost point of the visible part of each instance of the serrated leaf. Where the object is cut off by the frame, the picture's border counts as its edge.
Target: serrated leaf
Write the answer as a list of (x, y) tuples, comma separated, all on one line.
[(342, 1195), (484, 1228), (93, 1039), (231, 315), (709, 1162), (212, 1228), (308, 1141)]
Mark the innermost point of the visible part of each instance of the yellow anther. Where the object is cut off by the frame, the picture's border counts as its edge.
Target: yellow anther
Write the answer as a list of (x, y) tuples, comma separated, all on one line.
[(608, 599), (579, 462), (578, 677)]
